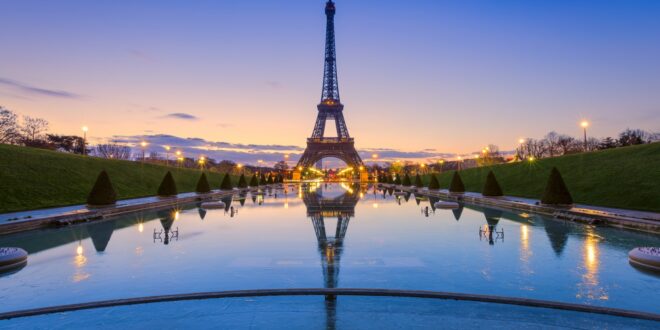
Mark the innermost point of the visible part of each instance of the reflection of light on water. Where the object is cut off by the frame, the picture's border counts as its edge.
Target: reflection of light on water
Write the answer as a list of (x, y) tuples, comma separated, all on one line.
[(176, 215), (141, 227), (347, 188), (361, 194), (525, 251), (375, 205), (139, 251), (79, 261), (590, 287), (286, 205)]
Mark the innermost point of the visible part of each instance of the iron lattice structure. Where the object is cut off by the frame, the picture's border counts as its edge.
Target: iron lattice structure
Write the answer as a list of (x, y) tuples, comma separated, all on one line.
[(330, 108)]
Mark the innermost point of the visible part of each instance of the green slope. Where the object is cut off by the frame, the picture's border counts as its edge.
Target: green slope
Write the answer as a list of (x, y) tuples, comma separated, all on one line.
[(33, 178), (623, 178)]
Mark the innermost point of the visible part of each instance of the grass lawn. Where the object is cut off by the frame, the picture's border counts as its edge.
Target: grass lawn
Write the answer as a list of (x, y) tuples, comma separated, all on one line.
[(626, 178), (34, 178)]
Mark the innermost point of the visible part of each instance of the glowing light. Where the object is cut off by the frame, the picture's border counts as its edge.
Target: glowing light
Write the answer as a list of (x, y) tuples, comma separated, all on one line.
[(79, 250), (521, 141), (422, 165), (141, 227), (374, 156), (584, 124), (239, 165), (176, 215), (374, 205), (286, 205), (85, 129), (300, 168), (178, 152), (144, 144), (286, 156), (531, 158), (167, 148), (460, 158)]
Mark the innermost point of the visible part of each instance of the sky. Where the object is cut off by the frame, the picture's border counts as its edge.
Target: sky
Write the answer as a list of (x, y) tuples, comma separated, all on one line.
[(419, 79)]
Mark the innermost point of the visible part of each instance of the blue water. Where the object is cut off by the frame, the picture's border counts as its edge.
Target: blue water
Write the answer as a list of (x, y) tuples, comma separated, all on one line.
[(381, 241)]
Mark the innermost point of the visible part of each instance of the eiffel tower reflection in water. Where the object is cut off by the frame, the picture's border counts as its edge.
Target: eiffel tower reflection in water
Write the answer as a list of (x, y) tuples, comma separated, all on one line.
[(324, 202)]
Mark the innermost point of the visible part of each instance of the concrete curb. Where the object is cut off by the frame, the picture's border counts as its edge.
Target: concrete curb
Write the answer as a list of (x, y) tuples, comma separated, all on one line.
[(582, 215), (335, 292), (106, 212)]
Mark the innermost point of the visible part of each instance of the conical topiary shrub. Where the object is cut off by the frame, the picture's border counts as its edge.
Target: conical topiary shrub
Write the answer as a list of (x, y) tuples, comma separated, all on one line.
[(434, 183), (226, 182), (103, 193), (492, 187), (242, 182), (456, 185), (556, 192), (203, 186), (254, 182), (406, 180), (270, 180), (418, 181), (262, 179), (167, 186), (397, 181)]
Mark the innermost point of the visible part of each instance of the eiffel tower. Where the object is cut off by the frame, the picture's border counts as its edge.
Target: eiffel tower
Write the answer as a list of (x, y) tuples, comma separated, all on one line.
[(330, 108)]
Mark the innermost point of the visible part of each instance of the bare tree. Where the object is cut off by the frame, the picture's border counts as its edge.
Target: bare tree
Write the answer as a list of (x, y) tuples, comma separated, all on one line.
[(114, 151), (8, 126), (631, 137), (33, 128), (567, 145)]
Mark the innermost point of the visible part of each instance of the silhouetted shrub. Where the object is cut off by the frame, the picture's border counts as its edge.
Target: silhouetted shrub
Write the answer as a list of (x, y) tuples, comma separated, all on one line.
[(397, 181), (556, 192), (167, 186), (103, 193), (433, 182), (456, 185), (254, 182), (406, 180), (203, 186), (242, 182), (492, 187), (270, 180), (418, 181), (226, 182), (262, 179)]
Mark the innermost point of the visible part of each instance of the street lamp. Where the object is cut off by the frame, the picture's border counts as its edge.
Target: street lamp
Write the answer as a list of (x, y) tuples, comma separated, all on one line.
[(460, 161), (144, 145), (85, 129), (202, 160), (584, 125), (167, 155), (178, 157)]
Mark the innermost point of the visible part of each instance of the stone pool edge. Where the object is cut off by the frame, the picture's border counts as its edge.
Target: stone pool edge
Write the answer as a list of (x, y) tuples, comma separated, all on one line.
[(90, 215), (586, 215), (375, 292)]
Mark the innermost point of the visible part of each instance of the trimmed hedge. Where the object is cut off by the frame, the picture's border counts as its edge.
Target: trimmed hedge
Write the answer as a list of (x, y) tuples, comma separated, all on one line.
[(167, 186), (254, 182), (492, 187), (456, 185), (203, 186), (406, 180), (434, 183), (242, 182), (418, 181), (556, 192), (397, 181), (226, 182), (103, 193)]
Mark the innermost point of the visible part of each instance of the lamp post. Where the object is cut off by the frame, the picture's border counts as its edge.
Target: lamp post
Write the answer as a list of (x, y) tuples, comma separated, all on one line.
[(202, 161), (460, 161), (441, 162), (144, 145), (178, 157), (584, 125), (167, 155), (84, 129)]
